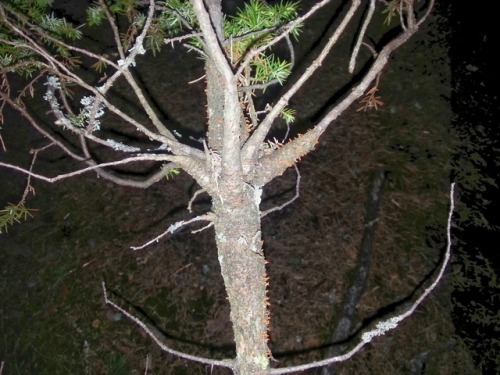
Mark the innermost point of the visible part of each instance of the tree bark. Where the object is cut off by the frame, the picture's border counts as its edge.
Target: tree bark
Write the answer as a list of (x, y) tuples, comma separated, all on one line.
[(237, 214), (242, 263), (215, 106)]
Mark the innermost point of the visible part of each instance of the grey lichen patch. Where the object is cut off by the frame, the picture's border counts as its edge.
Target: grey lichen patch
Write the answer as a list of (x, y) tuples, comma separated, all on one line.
[(262, 361)]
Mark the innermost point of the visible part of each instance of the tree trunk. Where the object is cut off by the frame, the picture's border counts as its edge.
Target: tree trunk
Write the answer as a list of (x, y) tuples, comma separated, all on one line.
[(237, 222), (238, 237)]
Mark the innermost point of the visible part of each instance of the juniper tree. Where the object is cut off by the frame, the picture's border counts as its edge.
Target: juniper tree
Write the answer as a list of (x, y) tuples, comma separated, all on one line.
[(42, 55)]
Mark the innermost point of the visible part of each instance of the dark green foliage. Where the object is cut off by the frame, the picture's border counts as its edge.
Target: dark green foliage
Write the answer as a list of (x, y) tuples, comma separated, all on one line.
[(35, 20), (254, 26), (257, 16), (95, 16)]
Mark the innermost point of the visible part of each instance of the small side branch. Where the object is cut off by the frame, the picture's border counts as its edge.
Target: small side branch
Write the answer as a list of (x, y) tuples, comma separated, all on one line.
[(29, 188), (174, 227), (191, 201), (366, 22), (114, 28), (6, 99), (181, 38), (91, 168), (208, 361), (295, 197)]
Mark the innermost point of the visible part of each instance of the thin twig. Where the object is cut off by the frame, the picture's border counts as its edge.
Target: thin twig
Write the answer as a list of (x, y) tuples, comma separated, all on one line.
[(209, 225), (146, 364), (371, 49), (366, 22), (180, 38), (295, 197), (129, 60), (191, 201), (29, 189), (224, 363), (3, 144), (401, 16), (427, 13), (93, 167), (114, 28), (173, 228)]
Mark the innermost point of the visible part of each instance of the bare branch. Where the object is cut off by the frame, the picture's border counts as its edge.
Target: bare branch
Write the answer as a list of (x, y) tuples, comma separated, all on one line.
[(284, 157), (377, 67), (389, 324), (65, 122), (35, 125), (71, 77), (176, 159), (427, 13), (114, 28), (147, 363), (209, 225), (29, 189), (2, 143), (191, 201), (110, 106), (125, 62), (149, 331), (295, 197), (124, 181), (143, 184), (401, 15), (176, 147), (180, 38), (251, 147), (173, 228), (87, 157), (59, 69), (366, 22)]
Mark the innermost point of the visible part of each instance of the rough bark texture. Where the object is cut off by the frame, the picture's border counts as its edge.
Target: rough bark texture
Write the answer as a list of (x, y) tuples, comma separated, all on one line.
[(215, 106), (237, 226), (242, 264)]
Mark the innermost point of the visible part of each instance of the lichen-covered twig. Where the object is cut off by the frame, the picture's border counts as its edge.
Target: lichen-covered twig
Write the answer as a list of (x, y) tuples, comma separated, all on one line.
[(387, 325)]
